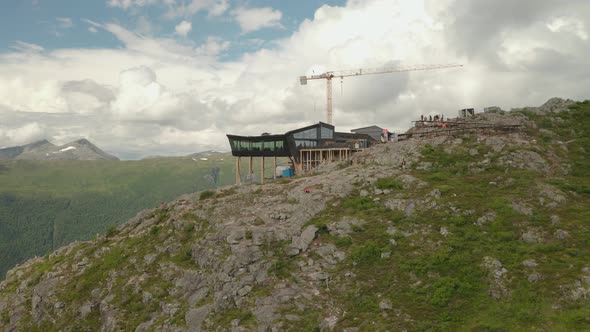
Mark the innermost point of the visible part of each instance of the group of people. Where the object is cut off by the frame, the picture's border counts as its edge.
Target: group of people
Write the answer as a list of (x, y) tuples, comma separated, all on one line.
[(438, 119), (431, 118)]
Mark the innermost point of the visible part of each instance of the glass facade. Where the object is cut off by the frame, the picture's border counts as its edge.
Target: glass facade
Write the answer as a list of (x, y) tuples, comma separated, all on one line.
[(327, 133), (305, 144), (307, 134), (258, 147)]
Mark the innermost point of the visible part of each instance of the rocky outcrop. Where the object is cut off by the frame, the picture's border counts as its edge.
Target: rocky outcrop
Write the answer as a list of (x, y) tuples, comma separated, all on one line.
[(553, 105), (525, 159), (497, 277)]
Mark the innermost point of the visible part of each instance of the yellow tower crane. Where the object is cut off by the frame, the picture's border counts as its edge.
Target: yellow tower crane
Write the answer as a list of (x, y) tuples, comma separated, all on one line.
[(329, 75)]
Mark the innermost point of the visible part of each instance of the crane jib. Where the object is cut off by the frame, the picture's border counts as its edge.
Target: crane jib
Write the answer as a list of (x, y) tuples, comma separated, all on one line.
[(359, 72)]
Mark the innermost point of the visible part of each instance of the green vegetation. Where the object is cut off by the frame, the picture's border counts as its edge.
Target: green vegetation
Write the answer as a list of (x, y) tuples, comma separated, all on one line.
[(439, 281), (207, 194), (5, 317), (367, 253), (224, 319), (96, 274), (283, 265), (138, 298), (47, 204), (388, 183)]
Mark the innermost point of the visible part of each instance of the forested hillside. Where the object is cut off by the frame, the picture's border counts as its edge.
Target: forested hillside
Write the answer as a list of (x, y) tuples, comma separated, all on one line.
[(47, 204)]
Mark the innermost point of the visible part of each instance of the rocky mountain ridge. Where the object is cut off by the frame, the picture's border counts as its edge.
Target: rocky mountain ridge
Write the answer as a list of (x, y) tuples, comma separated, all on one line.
[(81, 149), (479, 231)]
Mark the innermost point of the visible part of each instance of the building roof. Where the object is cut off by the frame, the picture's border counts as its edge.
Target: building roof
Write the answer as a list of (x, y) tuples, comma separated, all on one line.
[(369, 127), (315, 125)]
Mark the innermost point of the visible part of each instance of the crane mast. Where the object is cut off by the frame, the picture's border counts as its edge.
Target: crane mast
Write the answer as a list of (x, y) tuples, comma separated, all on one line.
[(329, 75)]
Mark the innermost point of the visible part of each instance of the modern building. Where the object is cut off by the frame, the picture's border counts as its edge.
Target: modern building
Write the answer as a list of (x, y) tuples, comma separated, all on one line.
[(306, 147), (373, 131)]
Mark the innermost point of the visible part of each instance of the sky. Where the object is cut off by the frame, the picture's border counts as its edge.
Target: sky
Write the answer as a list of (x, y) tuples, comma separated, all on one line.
[(173, 77)]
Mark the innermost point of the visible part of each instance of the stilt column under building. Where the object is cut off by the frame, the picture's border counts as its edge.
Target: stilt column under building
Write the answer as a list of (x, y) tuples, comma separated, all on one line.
[(238, 170), (262, 170)]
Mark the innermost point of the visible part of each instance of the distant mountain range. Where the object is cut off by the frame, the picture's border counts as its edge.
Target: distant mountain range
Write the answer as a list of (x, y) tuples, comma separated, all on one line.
[(202, 154), (81, 149)]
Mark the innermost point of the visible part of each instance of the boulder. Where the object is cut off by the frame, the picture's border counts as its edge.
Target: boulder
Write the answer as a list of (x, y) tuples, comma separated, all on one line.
[(525, 159), (497, 277), (435, 194), (561, 234), (235, 236), (194, 317), (522, 208), (534, 277), (303, 241), (385, 305), (409, 181), (532, 235), (488, 217), (529, 263)]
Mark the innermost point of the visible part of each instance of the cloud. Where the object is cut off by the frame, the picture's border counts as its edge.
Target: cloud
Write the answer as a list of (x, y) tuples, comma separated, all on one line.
[(213, 46), (141, 98), (92, 23), (23, 47), (218, 8), (176, 8), (568, 24), (64, 22), (93, 26), (180, 8), (163, 95), (125, 4), (26, 134), (183, 28), (252, 19)]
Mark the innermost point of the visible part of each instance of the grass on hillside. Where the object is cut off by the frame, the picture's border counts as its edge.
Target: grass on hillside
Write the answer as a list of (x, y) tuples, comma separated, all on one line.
[(438, 283)]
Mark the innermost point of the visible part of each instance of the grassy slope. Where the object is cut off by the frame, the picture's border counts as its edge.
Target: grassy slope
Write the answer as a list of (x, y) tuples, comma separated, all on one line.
[(46, 204), (438, 283)]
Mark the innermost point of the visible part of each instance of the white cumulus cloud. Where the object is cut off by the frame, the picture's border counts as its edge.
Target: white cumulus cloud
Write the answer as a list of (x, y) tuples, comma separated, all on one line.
[(183, 28), (26, 134), (252, 19)]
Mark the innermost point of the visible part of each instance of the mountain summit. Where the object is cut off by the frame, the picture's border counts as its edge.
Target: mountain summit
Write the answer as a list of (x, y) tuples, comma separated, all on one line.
[(81, 149)]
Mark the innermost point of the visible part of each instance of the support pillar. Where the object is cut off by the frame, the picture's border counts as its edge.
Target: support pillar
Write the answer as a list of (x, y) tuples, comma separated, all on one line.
[(301, 161), (239, 170), (262, 170), (250, 167), (274, 170)]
